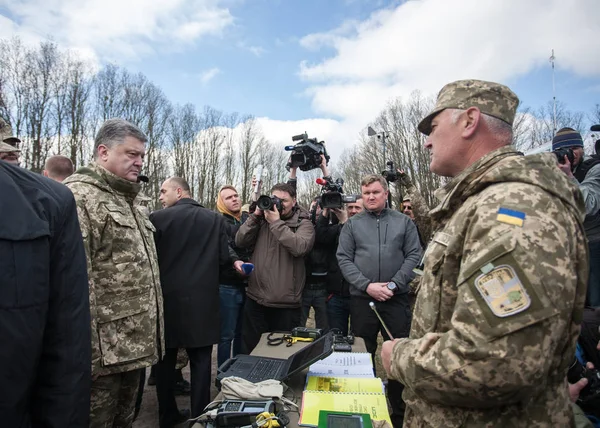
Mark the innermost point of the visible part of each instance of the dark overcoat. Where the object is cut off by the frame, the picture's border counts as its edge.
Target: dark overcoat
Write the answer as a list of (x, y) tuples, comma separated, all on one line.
[(191, 242)]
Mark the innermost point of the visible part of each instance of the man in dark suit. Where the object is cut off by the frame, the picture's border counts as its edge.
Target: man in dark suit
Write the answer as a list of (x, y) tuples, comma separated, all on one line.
[(192, 245)]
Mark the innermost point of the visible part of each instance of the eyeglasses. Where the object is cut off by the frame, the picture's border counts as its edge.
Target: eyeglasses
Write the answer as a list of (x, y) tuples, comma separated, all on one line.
[(407, 208)]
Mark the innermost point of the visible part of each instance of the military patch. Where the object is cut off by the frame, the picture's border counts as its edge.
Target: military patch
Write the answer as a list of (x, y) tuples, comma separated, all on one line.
[(503, 291), (516, 218)]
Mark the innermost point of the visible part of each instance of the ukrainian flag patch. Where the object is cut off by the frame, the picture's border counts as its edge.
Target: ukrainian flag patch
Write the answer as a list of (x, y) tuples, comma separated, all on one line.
[(516, 218)]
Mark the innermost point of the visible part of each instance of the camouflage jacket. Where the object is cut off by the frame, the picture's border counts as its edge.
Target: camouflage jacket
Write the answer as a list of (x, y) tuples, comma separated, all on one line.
[(125, 294), (498, 312)]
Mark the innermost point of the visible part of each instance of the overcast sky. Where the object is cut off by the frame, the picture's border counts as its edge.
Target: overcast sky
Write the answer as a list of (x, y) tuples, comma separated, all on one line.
[(326, 66)]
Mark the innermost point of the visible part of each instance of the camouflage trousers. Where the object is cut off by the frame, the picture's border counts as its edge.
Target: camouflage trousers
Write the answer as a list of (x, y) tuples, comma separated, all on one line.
[(113, 400)]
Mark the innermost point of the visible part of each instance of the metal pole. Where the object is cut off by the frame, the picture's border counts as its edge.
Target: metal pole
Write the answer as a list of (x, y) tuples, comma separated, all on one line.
[(383, 141), (552, 58)]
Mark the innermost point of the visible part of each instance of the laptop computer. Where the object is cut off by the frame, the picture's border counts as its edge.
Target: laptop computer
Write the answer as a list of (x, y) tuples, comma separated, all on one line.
[(256, 369)]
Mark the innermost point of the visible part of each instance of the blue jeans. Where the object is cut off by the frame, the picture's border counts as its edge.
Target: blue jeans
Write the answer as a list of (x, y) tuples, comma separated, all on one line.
[(318, 300), (232, 300), (593, 290), (338, 312)]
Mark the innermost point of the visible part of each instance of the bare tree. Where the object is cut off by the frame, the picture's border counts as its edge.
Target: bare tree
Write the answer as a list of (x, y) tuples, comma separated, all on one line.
[(248, 147)]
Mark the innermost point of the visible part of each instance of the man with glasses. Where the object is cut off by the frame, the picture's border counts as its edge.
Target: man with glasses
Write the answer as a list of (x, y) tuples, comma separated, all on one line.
[(586, 173)]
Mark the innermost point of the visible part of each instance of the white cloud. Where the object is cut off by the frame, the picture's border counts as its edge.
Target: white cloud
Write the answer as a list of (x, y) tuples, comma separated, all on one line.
[(425, 44), (257, 51), (207, 75), (116, 29)]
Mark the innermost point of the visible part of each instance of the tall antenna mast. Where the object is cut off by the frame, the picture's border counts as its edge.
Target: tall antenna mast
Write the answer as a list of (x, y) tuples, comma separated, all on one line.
[(552, 58)]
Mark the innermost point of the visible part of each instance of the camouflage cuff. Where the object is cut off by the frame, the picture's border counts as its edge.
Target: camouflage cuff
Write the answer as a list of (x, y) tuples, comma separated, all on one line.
[(399, 360)]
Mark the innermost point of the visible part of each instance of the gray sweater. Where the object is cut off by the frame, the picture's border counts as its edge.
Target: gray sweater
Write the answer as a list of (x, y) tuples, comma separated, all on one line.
[(590, 188), (378, 248)]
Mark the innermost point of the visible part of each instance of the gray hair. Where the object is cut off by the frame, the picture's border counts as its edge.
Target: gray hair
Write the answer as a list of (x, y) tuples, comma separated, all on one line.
[(114, 131), (496, 126)]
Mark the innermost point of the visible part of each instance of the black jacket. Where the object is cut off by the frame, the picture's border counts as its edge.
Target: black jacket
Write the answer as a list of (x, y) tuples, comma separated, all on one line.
[(45, 342), (191, 243), (229, 276), (328, 233)]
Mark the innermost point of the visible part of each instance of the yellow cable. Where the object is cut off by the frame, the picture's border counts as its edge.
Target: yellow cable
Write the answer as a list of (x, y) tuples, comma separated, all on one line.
[(267, 420)]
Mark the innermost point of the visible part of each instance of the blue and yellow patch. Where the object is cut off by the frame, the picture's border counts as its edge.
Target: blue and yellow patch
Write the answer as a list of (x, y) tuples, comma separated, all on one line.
[(516, 218)]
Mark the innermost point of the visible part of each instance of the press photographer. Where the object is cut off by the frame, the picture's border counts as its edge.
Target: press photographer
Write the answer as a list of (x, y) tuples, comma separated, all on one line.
[(317, 261), (281, 233), (568, 143)]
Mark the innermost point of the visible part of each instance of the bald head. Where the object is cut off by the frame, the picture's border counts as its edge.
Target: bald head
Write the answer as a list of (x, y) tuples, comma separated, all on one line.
[(172, 190), (58, 168)]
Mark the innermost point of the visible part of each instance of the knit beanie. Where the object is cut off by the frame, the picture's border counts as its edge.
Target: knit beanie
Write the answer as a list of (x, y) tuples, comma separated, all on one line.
[(567, 137)]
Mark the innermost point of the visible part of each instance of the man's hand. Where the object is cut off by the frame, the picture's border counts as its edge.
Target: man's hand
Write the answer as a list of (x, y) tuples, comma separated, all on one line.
[(293, 169), (238, 266), (255, 195), (566, 167), (386, 355), (404, 178), (272, 215), (325, 212), (258, 212), (323, 166), (341, 214), (576, 388), (379, 291)]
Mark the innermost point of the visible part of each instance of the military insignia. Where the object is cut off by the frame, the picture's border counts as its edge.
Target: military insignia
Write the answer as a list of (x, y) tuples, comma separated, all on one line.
[(516, 218), (503, 291)]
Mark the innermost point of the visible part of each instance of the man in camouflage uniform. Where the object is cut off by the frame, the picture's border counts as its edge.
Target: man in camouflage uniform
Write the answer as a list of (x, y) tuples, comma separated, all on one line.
[(501, 298), (9, 150), (125, 294)]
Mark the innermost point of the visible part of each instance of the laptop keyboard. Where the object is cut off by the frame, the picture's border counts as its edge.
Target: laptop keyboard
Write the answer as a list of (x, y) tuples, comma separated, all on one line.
[(265, 369)]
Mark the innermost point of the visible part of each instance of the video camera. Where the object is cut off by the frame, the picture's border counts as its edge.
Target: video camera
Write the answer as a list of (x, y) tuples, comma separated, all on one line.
[(266, 203), (390, 173), (307, 153), (332, 195), (562, 152)]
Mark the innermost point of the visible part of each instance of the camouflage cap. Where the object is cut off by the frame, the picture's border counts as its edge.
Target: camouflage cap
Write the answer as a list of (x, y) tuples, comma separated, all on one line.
[(6, 133), (491, 98), (7, 148)]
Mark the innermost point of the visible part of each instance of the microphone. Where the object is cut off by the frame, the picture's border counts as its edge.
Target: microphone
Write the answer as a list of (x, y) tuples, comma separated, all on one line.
[(372, 305)]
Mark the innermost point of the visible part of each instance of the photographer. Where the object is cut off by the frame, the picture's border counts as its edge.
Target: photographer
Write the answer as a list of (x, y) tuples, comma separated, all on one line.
[(281, 237), (586, 172), (328, 228)]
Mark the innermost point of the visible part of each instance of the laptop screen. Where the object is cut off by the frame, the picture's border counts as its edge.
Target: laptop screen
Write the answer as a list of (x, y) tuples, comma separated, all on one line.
[(315, 351)]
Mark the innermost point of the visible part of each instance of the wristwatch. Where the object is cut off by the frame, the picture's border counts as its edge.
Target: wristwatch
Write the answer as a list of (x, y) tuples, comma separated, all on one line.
[(392, 286)]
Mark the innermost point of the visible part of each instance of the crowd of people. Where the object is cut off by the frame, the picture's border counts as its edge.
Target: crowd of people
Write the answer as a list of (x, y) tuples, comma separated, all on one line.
[(96, 288)]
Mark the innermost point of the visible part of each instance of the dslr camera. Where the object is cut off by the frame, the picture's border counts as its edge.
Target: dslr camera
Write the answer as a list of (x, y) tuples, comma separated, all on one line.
[(306, 154), (332, 195), (562, 152), (266, 203), (390, 173)]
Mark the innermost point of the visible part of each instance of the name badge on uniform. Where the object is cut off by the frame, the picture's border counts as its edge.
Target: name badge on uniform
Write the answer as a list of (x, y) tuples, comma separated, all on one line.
[(503, 291)]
